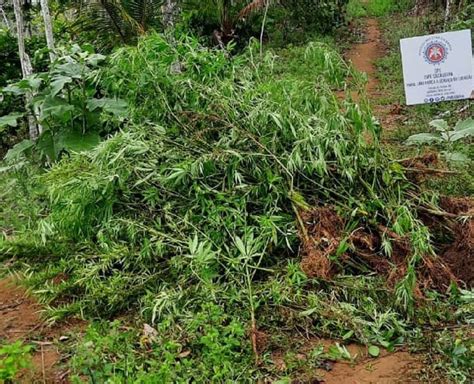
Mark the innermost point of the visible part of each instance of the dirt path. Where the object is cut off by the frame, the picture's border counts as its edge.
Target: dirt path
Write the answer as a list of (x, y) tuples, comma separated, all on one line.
[(390, 368), (363, 56), (400, 366), (20, 320)]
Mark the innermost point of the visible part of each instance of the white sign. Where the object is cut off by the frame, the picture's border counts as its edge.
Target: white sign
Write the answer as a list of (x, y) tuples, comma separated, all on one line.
[(437, 67)]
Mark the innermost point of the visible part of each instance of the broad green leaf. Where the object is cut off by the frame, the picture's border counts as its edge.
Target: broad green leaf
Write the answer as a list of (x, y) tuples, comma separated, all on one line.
[(348, 335), (56, 107), (423, 138), (14, 89), (18, 149), (240, 246), (10, 120), (58, 84), (34, 82), (95, 59), (117, 107), (455, 156), (308, 312), (464, 124), (30, 84), (462, 133), (46, 145), (374, 351), (76, 141), (439, 124), (71, 69)]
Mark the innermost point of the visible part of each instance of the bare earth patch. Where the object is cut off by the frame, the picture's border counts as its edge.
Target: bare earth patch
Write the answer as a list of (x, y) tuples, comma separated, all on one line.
[(397, 367), (20, 320), (389, 368)]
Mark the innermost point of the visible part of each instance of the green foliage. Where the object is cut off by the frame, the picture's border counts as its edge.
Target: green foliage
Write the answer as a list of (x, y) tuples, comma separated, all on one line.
[(311, 15), (65, 105), (356, 9), (8, 57), (107, 24), (359, 8), (10, 70), (446, 138), (453, 348), (111, 352), (202, 187), (187, 217), (13, 358), (461, 18)]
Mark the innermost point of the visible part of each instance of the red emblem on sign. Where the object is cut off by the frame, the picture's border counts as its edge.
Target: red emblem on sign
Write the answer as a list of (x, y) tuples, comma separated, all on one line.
[(435, 53)]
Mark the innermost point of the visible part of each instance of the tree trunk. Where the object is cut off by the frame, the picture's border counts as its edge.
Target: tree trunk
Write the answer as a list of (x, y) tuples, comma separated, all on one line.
[(48, 28), (25, 62), (447, 14), (4, 16), (169, 11)]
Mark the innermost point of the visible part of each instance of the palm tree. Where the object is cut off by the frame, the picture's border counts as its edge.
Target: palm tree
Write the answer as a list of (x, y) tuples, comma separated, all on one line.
[(228, 14), (119, 21), (123, 21)]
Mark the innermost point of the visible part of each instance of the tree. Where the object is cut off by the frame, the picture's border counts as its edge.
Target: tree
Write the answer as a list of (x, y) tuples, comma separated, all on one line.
[(48, 28), (169, 10), (113, 22), (4, 16), (25, 62), (229, 16)]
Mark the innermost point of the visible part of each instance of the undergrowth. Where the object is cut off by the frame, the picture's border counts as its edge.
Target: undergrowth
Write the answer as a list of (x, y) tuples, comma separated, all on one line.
[(416, 118), (447, 349), (189, 217)]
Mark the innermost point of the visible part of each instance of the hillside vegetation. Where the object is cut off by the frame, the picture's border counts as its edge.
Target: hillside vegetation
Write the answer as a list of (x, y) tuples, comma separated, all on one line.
[(204, 208)]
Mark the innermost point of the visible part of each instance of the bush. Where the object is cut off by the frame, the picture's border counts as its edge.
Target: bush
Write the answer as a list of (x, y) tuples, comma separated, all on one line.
[(202, 189), (67, 105)]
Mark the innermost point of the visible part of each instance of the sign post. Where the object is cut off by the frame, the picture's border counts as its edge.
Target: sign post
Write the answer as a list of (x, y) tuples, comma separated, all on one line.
[(437, 67)]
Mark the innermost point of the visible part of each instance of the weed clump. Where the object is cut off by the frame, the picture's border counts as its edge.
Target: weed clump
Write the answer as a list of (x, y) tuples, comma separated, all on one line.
[(191, 211)]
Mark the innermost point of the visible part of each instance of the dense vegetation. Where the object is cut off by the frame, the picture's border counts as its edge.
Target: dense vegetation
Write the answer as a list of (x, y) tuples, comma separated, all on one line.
[(186, 165)]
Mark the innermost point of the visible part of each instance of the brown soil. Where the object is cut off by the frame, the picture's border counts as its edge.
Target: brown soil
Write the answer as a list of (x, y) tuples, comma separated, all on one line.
[(321, 235), (388, 368), (397, 367), (459, 255), (364, 54), (363, 57), (20, 320)]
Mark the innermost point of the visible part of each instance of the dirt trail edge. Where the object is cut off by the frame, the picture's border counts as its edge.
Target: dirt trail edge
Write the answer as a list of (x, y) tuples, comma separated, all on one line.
[(20, 320), (363, 56), (399, 366)]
